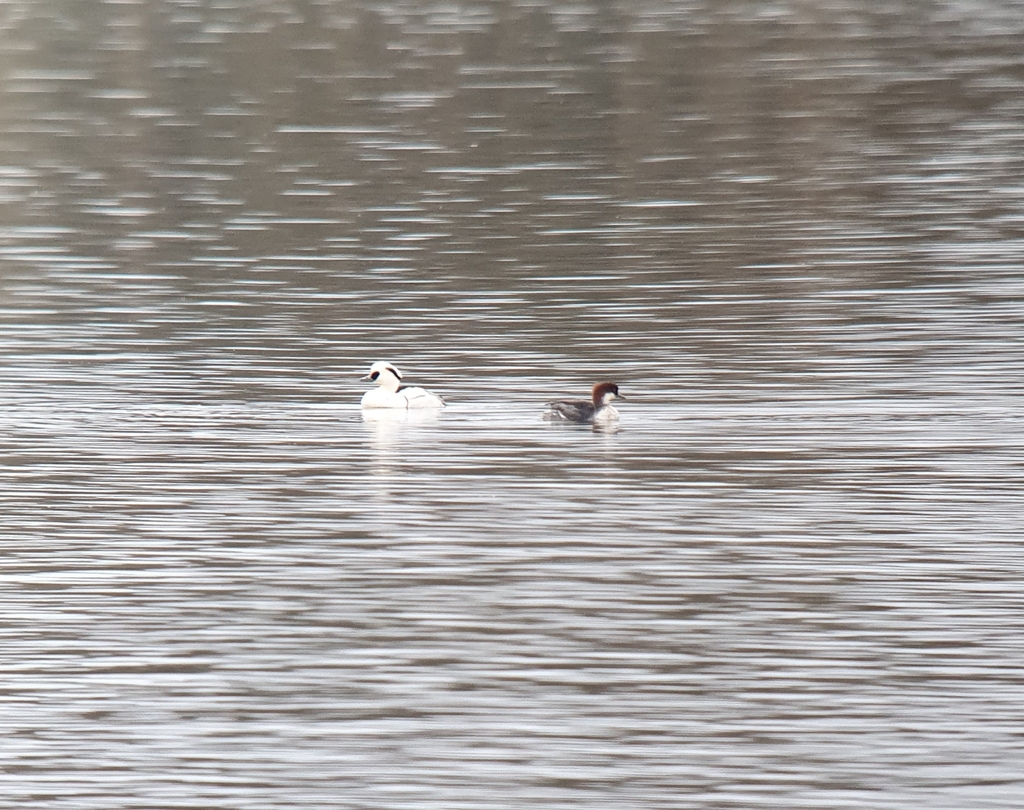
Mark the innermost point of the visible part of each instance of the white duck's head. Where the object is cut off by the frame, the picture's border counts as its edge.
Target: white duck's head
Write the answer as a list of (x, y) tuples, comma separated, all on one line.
[(385, 374)]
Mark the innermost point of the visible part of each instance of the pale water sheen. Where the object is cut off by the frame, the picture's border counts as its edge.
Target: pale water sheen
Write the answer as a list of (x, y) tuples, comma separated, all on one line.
[(793, 236)]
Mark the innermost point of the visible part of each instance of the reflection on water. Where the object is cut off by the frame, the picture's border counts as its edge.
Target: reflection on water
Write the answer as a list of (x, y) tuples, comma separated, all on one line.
[(792, 234), (390, 431)]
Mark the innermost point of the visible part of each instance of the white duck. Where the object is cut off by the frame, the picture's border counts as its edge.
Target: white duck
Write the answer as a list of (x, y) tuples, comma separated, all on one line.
[(390, 393)]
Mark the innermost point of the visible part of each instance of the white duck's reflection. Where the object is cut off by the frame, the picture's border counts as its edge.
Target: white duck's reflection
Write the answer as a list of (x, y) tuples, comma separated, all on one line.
[(389, 421), (389, 430)]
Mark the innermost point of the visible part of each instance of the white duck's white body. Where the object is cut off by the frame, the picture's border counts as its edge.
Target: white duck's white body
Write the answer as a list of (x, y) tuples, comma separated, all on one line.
[(390, 392)]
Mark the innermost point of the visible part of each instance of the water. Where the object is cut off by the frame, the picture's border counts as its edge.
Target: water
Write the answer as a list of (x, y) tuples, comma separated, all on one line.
[(792, 235)]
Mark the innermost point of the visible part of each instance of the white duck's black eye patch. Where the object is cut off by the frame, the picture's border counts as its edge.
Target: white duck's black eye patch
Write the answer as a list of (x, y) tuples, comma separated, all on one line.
[(374, 375)]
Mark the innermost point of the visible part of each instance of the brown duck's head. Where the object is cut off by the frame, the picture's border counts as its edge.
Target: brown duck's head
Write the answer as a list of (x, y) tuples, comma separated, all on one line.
[(604, 393)]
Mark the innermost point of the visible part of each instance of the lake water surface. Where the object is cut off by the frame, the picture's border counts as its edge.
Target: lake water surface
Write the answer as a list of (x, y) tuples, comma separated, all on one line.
[(792, 233)]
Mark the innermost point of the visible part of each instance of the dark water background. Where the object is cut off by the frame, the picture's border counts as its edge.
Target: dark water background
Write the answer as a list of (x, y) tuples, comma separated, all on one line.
[(792, 232)]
